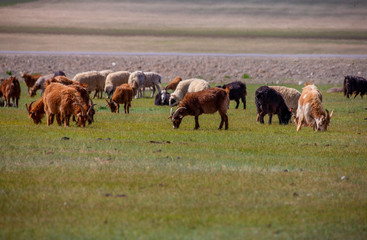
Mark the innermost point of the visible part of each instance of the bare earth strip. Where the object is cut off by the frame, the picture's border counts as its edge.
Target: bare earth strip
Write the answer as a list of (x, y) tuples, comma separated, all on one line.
[(216, 69)]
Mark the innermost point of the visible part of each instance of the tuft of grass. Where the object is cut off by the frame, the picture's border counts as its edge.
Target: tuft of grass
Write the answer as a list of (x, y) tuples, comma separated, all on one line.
[(246, 76), (133, 176)]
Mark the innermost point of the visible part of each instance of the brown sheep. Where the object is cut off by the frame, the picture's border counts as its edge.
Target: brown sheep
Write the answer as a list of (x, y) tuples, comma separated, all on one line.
[(30, 79), (206, 101), (173, 84), (37, 111), (66, 101), (10, 89), (122, 95)]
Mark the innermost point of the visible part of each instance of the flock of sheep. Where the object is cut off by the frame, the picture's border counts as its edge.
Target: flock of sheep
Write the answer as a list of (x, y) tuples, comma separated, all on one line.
[(64, 98)]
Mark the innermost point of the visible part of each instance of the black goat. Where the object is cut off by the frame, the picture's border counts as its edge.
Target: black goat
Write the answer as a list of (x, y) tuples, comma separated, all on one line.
[(237, 91), (354, 84), (162, 98), (268, 101)]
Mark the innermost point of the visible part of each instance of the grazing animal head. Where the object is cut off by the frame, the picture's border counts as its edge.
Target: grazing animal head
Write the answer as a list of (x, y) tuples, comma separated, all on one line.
[(322, 123), (35, 113), (177, 116), (112, 105), (82, 116)]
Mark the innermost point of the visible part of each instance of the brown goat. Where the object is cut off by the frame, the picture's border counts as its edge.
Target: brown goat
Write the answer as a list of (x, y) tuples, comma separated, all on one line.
[(66, 81), (122, 95), (66, 101), (37, 111), (206, 101), (173, 84), (10, 89), (30, 79)]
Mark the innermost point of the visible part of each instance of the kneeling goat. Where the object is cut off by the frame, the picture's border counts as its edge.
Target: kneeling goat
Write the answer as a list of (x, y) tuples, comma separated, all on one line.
[(206, 101)]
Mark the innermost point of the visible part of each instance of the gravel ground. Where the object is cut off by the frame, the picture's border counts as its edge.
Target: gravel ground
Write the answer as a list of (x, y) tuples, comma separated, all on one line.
[(216, 69)]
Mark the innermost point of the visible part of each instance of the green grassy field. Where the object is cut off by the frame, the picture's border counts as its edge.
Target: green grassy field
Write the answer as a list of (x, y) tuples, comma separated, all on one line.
[(134, 177)]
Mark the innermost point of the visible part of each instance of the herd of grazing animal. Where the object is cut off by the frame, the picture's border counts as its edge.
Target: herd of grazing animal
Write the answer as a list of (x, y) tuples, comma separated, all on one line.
[(64, 98)]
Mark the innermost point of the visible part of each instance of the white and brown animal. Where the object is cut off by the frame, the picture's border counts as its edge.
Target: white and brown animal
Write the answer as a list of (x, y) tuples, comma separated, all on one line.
[(113, 80), (207, 101), (186, 86), (30, 79), (10, 90), (122, 95), (310, 110), (40, 84)]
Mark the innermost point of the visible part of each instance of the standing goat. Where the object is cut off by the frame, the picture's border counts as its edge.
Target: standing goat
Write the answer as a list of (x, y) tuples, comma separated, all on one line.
[(206, 101), (10, 89), (310, 110), (122, 95), (237, 91), (30, 79)]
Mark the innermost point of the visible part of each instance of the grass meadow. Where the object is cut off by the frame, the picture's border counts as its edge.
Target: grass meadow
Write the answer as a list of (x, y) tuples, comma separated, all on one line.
[(135, 177)]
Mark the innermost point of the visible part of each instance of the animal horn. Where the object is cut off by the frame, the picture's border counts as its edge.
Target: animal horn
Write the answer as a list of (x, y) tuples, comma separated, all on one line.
[(170, 112), (27, 109), (176, 112), (81, 107)]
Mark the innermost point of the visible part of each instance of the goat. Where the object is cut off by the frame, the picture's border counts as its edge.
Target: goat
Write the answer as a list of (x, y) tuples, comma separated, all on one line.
[(65, 101), (37, 111), (10, 89), (172, 85), (268, 101), (310, 110), (206, 101), (153, 80), (122, 95), (237, 91), (30, 79), (162, 98), (354, 84)]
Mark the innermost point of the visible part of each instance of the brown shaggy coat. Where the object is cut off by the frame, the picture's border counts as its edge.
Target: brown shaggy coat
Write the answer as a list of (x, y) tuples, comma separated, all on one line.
[(37, 112), (173, 84), (30, 79), (122, 95), (206, 101), (10, 89)]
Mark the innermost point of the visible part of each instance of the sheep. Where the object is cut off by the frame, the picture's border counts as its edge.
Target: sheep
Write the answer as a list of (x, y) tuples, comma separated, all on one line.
[(114, 80), (64, 101), (268, 101), (172, 85), (37, 111), (10, 89), (137, 83), (185, 86), (93, 79), (290, 96), (30, 79), (310, 110), (123, 95), (237, 91), (354, 84), (153, 80), (205, 101), (40, 84)]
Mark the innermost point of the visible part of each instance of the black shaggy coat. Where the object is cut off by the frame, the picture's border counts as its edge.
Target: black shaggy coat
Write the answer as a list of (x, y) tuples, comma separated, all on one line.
[(237, 91), (354, 84), (268, 101)]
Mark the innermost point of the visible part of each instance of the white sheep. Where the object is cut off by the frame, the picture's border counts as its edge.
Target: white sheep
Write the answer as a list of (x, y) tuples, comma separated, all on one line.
[(290, 96), (114, 80), (94, 79), (185, 86), (153, 80), (137, 82)]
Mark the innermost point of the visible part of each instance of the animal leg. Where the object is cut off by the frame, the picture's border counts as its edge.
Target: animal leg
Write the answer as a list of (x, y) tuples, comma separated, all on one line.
[(356, 95), (243, 98), (270, 117), (261, 118), (118, 108), (237, 103), (58, 119), (153, 92), (197, 122)]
